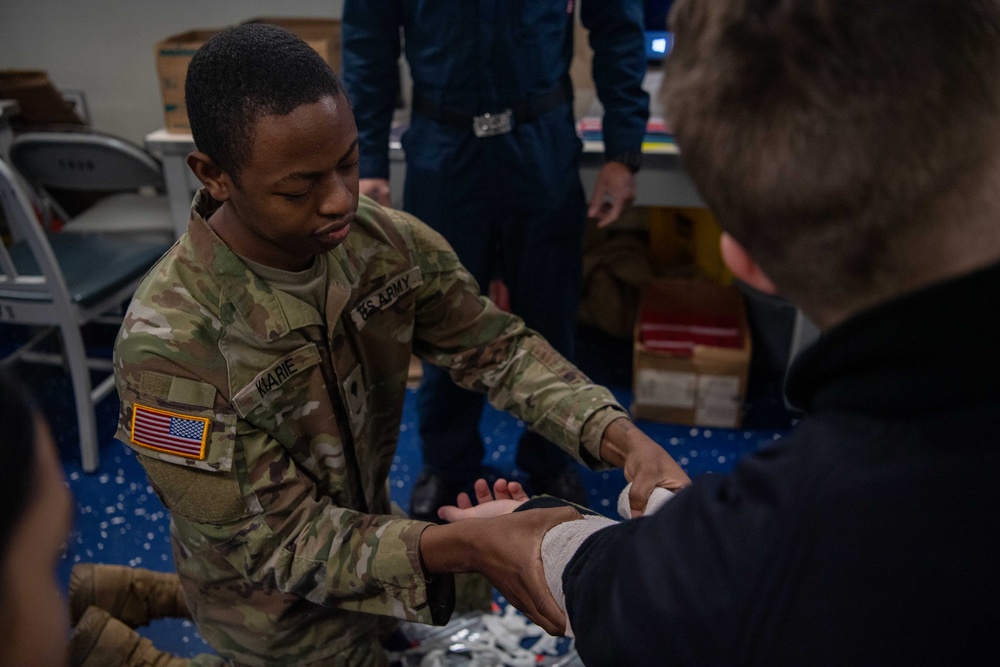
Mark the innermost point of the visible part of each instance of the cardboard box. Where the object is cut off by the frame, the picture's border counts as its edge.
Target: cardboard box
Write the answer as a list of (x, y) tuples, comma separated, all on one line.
[(38, 101), (172, 58), (703, 380), (174, 53)]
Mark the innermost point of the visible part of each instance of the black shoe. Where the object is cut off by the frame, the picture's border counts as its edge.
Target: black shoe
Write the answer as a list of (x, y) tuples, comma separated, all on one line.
[(565, 484), (432, 491)]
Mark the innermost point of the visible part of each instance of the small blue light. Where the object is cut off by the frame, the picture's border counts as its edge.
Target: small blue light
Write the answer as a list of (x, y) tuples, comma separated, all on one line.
[(658, 43)]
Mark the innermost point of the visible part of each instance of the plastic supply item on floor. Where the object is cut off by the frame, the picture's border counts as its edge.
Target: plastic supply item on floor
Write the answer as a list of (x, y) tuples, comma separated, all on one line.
[(483, 639)]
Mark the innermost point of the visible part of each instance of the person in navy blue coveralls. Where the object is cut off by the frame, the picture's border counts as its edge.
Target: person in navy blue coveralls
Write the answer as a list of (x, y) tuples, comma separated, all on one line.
[(506, 193)]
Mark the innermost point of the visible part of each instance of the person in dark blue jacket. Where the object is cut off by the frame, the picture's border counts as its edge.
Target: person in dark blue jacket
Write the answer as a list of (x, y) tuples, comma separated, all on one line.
[(492, 164), (851, 152)]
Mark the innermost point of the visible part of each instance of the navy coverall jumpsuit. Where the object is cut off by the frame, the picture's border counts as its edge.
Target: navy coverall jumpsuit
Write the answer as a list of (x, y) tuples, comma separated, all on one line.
[(511, 205)]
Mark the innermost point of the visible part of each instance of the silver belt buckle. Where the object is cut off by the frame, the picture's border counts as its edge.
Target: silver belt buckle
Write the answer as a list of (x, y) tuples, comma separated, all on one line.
[(492, 124)]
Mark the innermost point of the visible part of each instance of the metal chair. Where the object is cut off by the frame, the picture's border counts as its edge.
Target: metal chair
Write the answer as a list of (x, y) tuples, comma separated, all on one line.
[(61, 282), (94, 162)]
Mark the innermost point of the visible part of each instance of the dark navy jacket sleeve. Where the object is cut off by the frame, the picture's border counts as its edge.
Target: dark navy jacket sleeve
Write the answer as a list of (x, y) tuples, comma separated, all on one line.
[(679, 587), (617, 38), (371, 76)]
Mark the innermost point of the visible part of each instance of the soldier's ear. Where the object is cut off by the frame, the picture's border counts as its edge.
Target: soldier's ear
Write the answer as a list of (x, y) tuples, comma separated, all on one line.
[(218, 183)]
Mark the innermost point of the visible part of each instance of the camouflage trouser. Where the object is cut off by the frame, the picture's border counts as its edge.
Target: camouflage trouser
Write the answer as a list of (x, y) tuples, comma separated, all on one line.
[(365, 657), (359, 654)]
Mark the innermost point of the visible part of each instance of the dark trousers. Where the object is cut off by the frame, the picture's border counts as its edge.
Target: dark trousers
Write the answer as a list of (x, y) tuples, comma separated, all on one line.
[(513, 208)]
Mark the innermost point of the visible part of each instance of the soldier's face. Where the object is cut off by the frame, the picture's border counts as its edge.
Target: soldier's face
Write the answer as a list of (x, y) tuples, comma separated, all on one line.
[(298, 191)]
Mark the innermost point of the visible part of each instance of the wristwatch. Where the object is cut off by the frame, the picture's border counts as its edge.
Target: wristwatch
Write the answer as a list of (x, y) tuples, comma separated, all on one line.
[(631, 160)]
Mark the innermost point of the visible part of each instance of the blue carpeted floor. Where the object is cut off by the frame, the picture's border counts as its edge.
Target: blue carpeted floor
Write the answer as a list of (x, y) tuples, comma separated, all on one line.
[(120, 520)]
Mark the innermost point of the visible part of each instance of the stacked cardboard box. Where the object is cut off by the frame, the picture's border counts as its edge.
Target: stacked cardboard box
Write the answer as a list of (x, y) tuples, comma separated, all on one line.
[(172, 58), (691, 353), (174, 53)]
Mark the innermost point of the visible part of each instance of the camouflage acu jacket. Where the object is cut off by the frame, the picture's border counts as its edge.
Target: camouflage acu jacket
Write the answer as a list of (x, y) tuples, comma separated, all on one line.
[(268, 429)]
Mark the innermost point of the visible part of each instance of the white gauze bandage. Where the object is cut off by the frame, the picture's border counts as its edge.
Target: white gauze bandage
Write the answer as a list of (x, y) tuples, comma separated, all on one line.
[(561, 542)]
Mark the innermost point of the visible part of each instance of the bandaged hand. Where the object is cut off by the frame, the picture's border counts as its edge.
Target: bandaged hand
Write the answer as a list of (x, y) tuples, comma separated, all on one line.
[(561, 543)]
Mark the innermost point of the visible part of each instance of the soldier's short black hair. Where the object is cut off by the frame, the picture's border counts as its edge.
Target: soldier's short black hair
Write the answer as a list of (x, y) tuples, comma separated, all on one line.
[(243, 73)]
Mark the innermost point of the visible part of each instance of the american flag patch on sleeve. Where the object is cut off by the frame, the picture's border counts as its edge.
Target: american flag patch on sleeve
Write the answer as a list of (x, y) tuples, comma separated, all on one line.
[(169, 432)]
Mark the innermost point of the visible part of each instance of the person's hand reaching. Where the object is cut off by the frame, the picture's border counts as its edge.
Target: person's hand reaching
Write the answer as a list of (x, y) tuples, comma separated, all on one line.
[(500, 544), (504, 498)]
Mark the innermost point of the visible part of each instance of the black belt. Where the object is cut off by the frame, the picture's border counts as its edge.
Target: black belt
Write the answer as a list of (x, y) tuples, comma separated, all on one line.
[(493, 123)]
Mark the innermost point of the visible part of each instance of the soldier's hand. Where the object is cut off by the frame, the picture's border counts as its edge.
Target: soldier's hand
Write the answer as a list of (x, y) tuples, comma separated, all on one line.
[(377, 189), (504, 498), (507, 550), (510, 556), (646, 464)]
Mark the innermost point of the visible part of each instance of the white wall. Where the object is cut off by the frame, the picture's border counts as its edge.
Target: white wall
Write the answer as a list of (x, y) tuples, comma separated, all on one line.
[(105, 47)]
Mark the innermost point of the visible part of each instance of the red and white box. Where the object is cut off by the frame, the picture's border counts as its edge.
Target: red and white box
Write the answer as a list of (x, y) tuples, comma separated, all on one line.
[(691, 354)]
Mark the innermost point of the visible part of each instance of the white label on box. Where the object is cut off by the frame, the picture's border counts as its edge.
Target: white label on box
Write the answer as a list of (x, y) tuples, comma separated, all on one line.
[(718, 400), (669, 389), (719, 385)]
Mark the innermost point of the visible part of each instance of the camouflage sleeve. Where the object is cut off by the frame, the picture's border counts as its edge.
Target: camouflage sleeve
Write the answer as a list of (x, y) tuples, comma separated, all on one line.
[(242, 504), (488, 350), (300, 541)]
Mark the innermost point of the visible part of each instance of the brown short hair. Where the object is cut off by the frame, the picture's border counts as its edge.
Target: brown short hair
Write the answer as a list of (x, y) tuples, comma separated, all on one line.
[(822, 131)]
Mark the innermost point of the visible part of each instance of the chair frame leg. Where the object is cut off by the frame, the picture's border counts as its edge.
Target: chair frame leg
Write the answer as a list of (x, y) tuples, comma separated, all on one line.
[(79, 372), (74, 361)]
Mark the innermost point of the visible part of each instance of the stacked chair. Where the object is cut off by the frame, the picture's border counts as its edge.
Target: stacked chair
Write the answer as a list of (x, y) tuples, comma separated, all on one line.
[(59, 282), (91, 162)]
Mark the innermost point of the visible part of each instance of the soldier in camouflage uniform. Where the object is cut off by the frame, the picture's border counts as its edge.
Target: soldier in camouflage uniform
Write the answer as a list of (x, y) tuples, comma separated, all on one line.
[(262, 368)]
